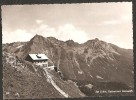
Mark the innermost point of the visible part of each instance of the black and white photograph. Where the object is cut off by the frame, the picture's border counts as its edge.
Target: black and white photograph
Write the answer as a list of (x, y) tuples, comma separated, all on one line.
[(67, 50)]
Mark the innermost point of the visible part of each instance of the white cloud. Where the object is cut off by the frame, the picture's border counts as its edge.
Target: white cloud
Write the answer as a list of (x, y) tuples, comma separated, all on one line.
[(63, 32), (44, 30), (126, 18), (18, 35), (42, 26), (68, 31), (39, 21), (124, 45), (117, 41), (120, 20), (108, 37), (111, 22)]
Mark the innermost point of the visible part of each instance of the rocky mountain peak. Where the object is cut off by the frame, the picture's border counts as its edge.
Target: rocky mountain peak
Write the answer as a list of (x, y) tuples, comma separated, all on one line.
[(37, 38), (71, 43), (53, 40), (96, 39), (95, 43)]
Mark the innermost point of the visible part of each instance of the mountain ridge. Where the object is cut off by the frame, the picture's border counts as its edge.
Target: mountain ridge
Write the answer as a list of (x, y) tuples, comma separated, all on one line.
[(87, 52), (91, 62), (53, 38)]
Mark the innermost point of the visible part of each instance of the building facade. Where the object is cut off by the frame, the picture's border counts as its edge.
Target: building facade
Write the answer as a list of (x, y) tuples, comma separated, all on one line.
[(38, 59)]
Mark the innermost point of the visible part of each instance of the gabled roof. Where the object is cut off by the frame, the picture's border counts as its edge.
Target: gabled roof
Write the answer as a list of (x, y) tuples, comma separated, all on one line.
[(38, 56)]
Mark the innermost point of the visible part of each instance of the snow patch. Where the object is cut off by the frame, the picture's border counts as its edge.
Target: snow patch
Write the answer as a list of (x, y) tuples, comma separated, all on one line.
[(19, 46), (17, 94), (80, 72), (7, 93), (89, 86), (132, 72), (99, 77), (91, 76), (115, 52), (50, 67)]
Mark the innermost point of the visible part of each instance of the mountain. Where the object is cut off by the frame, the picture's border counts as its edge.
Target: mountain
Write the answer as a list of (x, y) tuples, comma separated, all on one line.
[(23, 80), (92, 62)]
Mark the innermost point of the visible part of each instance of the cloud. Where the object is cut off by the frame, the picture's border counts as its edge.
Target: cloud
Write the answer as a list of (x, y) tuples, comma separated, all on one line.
[(120, 20), (110, 22), (18, 35), (68, 31), (44, 30), (124, 45), (108, 37), (63, 32), (126, 18), (39, 21), (118, 41)]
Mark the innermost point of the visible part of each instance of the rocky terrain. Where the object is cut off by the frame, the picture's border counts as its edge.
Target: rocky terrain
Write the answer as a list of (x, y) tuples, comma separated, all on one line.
[(92, 65)]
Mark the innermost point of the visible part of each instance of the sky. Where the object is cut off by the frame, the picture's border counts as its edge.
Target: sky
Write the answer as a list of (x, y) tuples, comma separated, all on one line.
[(110, 22)]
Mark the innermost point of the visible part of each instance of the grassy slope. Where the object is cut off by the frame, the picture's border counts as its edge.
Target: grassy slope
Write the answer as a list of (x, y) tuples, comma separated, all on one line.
[(28, 85)]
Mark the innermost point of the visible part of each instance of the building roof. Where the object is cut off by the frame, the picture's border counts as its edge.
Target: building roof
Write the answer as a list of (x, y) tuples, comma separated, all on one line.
[(38, 56)]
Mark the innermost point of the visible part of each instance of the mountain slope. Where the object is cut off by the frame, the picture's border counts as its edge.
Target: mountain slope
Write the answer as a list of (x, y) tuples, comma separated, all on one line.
[(85, 61), (91, 62), (25, 80)]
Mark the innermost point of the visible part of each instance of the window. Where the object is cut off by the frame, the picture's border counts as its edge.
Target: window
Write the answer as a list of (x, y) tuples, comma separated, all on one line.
[(45, 65)]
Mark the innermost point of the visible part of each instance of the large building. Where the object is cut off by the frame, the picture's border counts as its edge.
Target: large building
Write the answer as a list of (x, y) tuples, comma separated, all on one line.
[(38, 59)]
